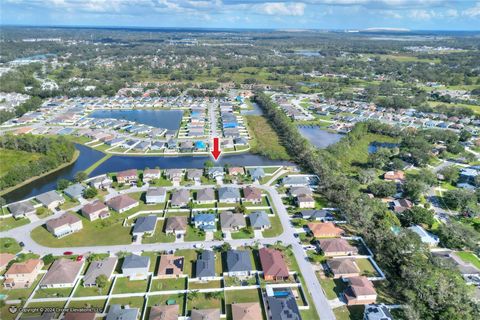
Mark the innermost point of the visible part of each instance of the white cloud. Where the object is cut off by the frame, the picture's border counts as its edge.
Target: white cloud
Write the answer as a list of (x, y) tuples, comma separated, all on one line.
[(452, 13), (420, 14), (473, 11), (282, 9)]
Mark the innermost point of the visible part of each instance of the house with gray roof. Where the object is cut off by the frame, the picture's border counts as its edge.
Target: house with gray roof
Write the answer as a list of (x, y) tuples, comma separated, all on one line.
[(295, 181), (215, 172), (231, 222), (194, 174), (101, 182), (238, 263), (104, 267), (205, 196), (136, 267), (50, 199), (256, 173), (176, 225), (74, 191), (22, 209), (145, 225), (205, 265), (116, 312), (205, 221), (259, 220), (180, 198), (229, 194), (62, 274), (155, 195), (283, 307), (317, 215)]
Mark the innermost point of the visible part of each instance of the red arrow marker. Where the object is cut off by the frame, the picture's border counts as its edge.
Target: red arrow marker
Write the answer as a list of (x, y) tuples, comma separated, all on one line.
[(216, 149)]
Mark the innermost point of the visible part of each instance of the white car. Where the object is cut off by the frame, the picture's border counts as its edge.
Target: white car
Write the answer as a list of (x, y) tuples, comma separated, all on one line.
[(199, 245)]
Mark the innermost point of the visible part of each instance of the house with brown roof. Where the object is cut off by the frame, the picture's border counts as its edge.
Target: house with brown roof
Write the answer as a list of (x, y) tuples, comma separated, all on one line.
[(64, 225), (122, 203), (236, 171), (400, 205), (205, 314), (297, 191), (95, 210), (5, 259), (397, 176), (62, 274), (360, 291), (246, 311), (151, 174), (273, 264), (127, 176), (252, 194), (343, 268), (170, 266), (337, 247), (324, 229), (305, 201), (79, 316), (22, 274), (231, 222), (176, 225), (180, 198), (164, 312)]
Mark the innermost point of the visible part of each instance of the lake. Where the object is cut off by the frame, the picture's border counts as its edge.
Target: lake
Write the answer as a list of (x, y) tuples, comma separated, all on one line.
[(89, 156), (256, 111), (168, 119), (319, 137), (374, 146)]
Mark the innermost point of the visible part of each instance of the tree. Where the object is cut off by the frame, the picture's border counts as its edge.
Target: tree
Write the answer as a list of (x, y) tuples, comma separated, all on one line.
[(457, 235), (417, 215), (192, 295), (414, 188), (62, 184), (48, 259), (2, 201), (367, 176), (101, 281), (208, 164), (427, 177), (464, 135), (379, 158), (383, 188), (80, 176), (240, 208), (458, 199), (90, 193), (450, 174)]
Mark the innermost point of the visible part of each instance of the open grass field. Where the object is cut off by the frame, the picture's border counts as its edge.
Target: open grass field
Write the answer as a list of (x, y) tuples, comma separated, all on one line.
[(82, 291), (12, 158), (9, 245), (469, 257), (265, 140), (10, 223), (349, 313), (124, 285)]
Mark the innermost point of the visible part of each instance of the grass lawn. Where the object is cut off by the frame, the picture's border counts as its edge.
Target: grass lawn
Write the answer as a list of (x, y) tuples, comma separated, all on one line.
[(124, 285), (203, 301), (100, 304), (190, 256), (265, 140), (82, 291), (242, 296), (69, 203), (10, 223), (35, 305), (349, 313), (168, 284), (366, 267), (234, 281), (159, 300), (194, 234), (276, 228), (193, 285), (159, 235), (154, 258), (133, 302), (12, 158), (242, 234), (109, 231), (9, 245), (333, 287), (19, 293), (469, 257), (53, 293), (5, 314)]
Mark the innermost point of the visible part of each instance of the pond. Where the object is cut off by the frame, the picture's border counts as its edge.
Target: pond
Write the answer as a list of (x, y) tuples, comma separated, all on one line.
[(168, 119), (308, 53), (256, 111), (319, 137), (374, 146)]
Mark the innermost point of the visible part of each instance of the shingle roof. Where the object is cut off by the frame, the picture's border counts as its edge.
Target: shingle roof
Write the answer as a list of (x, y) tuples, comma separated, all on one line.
[(176, 223), (62, 271), (246, 311), (48, 197), (170, 265), (23, 267), (66, 218), (259, 219), (145, 224), (284, 308), (228, 193), (135, 261), (21, 208), (336, 245), (105, 266), (205, 314), (232, 220), (238, 260), (273, 263), (119, 202), (205, 265), (164, 312), (343, 266), (207, 194)]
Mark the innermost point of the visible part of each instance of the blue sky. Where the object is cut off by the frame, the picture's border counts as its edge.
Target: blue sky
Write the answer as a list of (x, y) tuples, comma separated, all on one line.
[(301, 14)]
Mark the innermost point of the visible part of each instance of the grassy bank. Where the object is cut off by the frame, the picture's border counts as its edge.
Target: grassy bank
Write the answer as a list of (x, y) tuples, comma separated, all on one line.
[(10, 158), (265, 140)]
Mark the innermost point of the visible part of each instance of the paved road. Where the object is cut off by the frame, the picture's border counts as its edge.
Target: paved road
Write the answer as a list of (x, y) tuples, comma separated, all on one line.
[(321, 303)]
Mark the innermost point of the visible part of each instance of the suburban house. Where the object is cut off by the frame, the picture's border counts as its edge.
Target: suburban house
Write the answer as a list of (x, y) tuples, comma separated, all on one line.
[(360, 290), (377, 312), (115, 312), (336, 247), (317, 215), (104, 267), (164, 312), (64, 225), (246, 311), (426, 237), (305, 201), (50, 199), (295, 181), (22, 274), (5, 259), (79, 315), (397, 176), (205, 314), (176, 225), (93, 211), (180, 198), (170, 266), (155, 195), (230, 222), (144, 226), (151, 174), (259, 220), (236, 171), (127, 176), (238, 263), (205, 265), (195, 175), (24, 209), (256, 173), (400, 205), (283, 307), (62, 274), (228, 194), (174, 175), (324, 229), (102, 182), (216, 173), (74, 191), (136, 267), (252, 194), (205, 196), (122, 203), (343, 268), (273, 265), (205, 221), (298, 191)]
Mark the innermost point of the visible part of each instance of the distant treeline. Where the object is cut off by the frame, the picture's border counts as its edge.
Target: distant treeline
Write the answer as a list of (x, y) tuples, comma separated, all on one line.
[(54, 152), (30, 105)]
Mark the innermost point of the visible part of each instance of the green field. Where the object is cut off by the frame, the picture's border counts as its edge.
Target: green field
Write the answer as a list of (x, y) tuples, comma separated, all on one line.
[(265, 140), (469, 257), (9, 245), (12, 158)]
